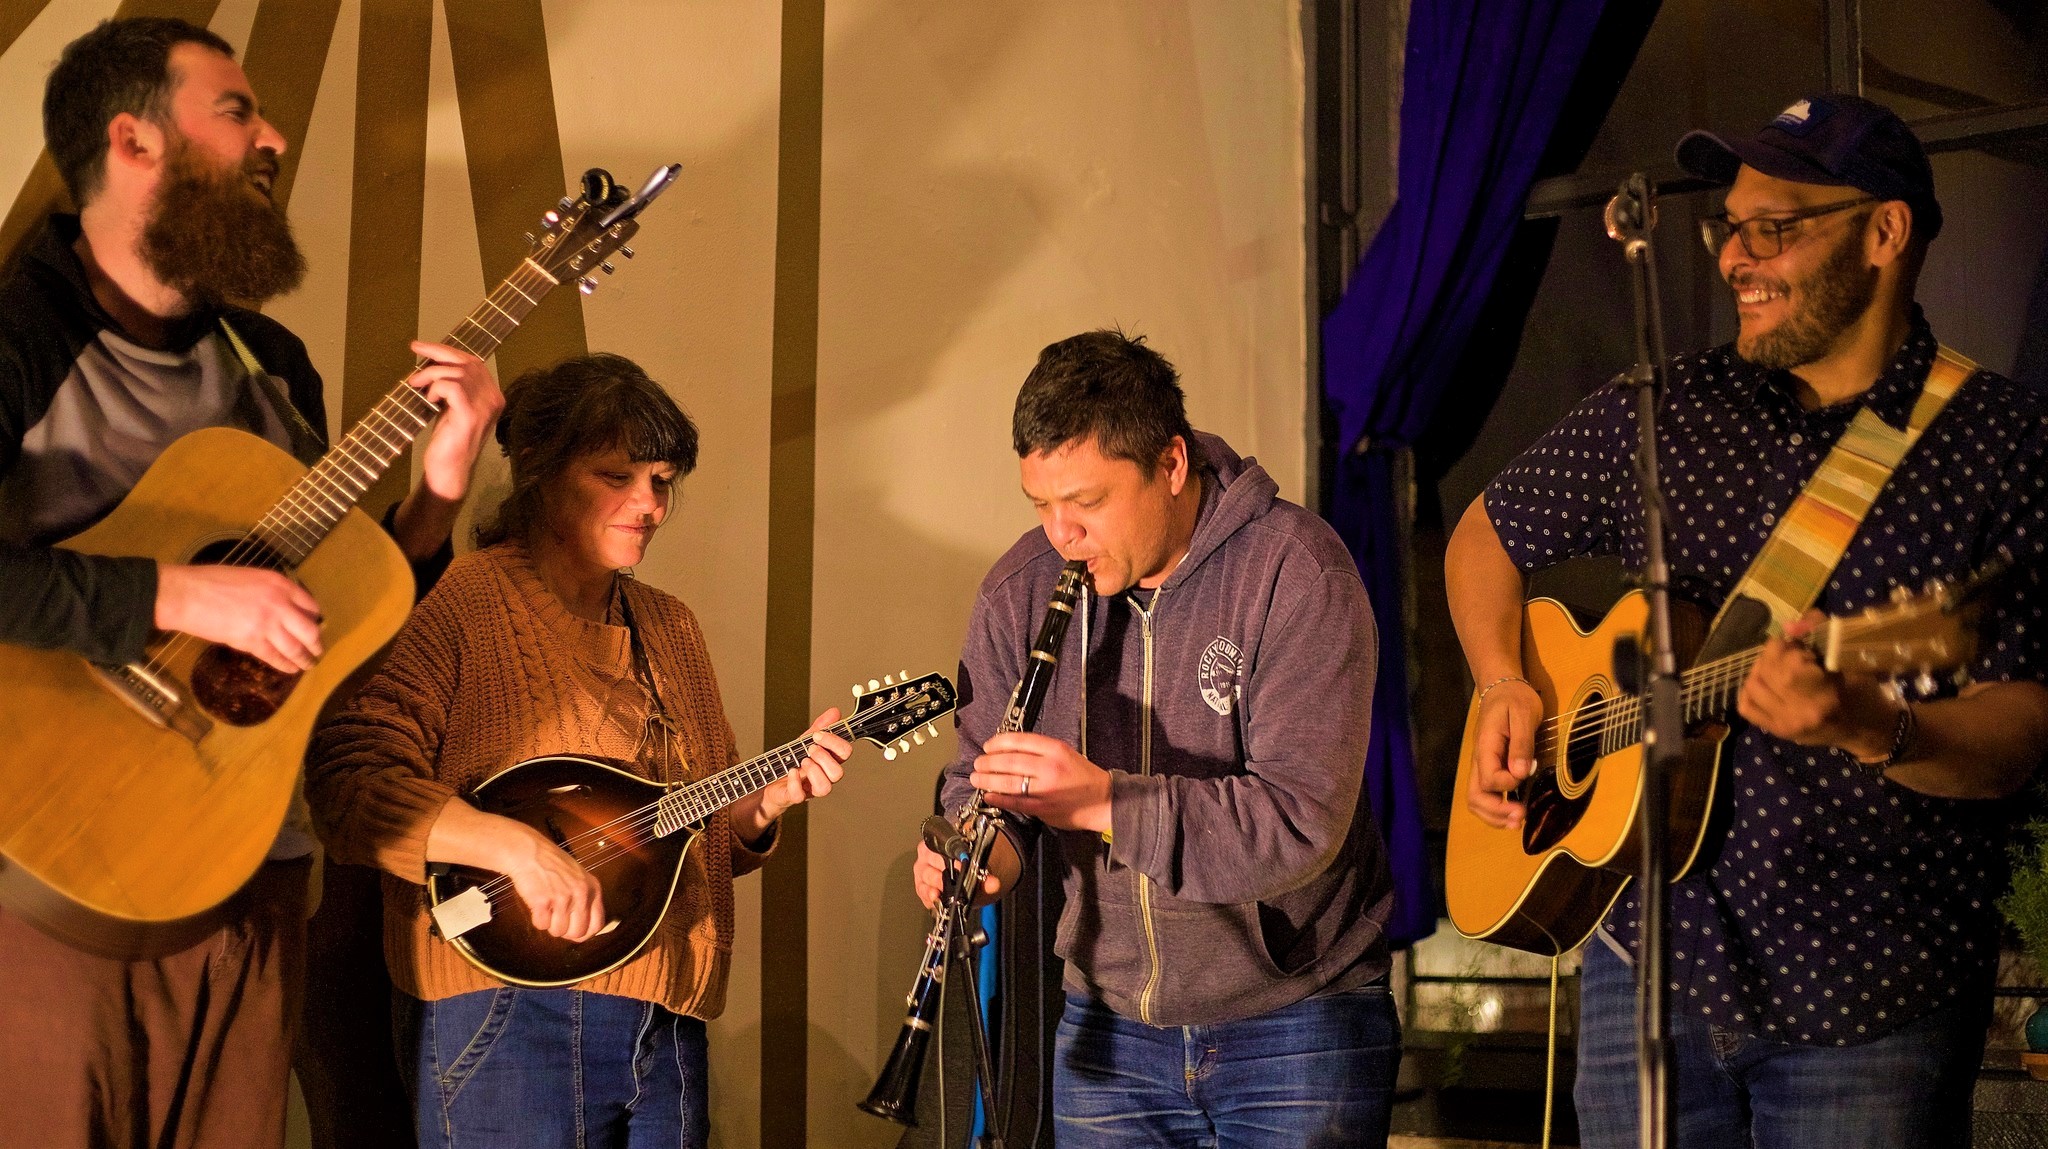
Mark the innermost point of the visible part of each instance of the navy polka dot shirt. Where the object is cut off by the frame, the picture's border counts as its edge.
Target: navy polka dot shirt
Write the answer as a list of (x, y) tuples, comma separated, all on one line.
[(1838, 906)]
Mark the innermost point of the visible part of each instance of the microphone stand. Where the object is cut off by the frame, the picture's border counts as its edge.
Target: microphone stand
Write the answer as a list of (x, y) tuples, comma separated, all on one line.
[(1630, 218), (964, 941)]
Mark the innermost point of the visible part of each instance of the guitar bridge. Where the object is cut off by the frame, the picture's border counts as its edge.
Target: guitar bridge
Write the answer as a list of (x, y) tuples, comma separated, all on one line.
[(153, 695)]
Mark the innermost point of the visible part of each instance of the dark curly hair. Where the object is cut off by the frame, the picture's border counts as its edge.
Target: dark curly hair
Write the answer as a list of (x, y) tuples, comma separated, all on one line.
[(120, 66), (1108, 386), (582, 406)]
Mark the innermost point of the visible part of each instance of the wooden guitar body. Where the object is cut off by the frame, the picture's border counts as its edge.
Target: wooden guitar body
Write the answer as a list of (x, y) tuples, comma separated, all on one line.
[(1544, 886), (117, 833), (569, 798)]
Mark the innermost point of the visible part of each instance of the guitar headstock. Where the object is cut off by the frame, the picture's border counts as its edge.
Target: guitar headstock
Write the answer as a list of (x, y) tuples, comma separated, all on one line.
[(579, 235), (899, 710), (1913, 635)]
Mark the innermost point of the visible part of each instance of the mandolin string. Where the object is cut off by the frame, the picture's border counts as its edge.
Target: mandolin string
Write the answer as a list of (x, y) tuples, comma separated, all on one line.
[(297, 513), (651, 813)]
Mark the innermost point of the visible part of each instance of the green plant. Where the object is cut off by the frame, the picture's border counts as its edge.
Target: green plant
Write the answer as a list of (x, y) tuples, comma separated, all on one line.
[(2026, 904)]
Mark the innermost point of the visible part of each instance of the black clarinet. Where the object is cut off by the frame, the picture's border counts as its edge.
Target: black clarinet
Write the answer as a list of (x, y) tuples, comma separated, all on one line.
[(966, 845)]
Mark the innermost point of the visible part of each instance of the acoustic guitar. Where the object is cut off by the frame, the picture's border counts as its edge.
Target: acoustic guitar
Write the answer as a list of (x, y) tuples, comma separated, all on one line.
[(632, 835), (1544, 886), (135, 798)]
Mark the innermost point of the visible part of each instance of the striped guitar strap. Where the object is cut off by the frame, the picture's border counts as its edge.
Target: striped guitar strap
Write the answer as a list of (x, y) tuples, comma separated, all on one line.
[(1814, 532)]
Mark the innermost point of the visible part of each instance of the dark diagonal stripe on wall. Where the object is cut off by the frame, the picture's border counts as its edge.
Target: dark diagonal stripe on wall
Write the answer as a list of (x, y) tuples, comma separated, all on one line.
[(792, 499), (507, 96), (286, 56), (386, 212)]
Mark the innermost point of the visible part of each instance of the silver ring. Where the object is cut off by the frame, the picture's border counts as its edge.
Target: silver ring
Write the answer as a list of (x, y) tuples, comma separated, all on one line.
[(1025, 790)]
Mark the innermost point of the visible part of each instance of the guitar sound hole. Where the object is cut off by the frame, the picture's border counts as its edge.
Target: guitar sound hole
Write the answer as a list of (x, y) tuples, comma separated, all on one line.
[(1551, 813), (236, 688)]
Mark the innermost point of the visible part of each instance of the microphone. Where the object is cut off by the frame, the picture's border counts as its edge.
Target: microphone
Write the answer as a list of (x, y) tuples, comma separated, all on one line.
[(1631, 213)]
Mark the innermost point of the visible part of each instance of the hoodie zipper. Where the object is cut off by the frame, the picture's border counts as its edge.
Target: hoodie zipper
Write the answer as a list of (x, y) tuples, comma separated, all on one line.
[(1144, 769)]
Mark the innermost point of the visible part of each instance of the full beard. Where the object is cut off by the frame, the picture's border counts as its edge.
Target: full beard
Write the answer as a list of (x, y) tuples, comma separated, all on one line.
[(216, 237), (1834, 296)]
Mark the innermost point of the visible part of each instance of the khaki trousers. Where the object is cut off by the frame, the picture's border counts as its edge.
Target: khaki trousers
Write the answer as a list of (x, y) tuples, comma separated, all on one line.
[(189, 1051)]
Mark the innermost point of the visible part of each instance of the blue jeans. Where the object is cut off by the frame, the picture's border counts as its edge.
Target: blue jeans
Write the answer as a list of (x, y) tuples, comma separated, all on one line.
[(547, 1068), (1319, 1072), (1910, 1088)]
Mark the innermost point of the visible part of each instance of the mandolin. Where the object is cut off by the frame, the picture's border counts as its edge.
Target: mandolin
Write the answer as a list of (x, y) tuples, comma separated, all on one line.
[(1545, 885), (632, 835), (135, 798)]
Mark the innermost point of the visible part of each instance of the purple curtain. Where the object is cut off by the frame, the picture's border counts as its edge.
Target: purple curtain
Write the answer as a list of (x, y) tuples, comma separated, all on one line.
[(1487, 83)]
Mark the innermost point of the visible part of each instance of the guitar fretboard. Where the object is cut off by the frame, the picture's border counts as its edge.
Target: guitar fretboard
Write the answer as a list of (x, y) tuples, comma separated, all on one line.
[(302, 519), (1704, 692)]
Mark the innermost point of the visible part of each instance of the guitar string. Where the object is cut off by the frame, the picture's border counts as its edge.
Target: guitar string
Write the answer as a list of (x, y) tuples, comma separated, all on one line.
[(1622, 713), (295, 500)]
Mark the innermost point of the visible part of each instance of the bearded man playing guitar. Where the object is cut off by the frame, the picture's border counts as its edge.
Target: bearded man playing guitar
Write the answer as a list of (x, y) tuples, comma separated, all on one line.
[(1834, 946), (119, 332)]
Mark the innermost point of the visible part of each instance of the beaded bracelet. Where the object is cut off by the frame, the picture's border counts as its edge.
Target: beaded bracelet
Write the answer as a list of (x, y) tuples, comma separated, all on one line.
[(1902, 740), (1498, 681)]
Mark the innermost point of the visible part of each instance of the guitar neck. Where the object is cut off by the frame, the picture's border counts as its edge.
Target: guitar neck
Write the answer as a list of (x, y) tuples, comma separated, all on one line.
[(302, 519), (692, 804)]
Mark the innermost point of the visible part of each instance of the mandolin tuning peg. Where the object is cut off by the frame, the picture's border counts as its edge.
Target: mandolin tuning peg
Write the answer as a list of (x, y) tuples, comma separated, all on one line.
[(888, 680), (856, 690), (932, 728), (917, 736), (888, 754), (904, 746), (873, 685)]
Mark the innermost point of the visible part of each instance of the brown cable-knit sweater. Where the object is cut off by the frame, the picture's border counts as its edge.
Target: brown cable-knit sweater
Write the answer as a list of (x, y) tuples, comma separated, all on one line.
[(493, 669)]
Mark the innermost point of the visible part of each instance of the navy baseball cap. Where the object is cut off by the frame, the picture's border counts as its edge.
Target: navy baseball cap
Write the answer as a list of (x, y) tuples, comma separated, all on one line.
[(1833, 140)]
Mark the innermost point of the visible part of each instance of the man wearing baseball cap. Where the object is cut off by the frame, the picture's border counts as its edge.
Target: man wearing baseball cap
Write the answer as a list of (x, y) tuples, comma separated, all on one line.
[(1833, 949)]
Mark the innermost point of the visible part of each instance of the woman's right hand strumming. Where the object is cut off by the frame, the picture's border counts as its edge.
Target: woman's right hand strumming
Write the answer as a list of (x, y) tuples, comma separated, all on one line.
[(928, 872), (565, 900)]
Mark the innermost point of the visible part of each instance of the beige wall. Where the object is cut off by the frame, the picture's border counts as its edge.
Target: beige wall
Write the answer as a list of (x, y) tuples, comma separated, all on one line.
[(996, 176)]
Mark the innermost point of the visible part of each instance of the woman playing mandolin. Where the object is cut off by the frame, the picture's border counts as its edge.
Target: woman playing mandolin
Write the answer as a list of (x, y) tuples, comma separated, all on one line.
[(541, 643)]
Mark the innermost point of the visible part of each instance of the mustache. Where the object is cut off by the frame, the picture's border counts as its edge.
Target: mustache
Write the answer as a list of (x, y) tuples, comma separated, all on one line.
[(1742, 280)]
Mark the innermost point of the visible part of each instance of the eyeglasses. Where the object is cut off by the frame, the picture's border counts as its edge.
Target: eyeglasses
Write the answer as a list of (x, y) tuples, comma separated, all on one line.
[(1765, 237)]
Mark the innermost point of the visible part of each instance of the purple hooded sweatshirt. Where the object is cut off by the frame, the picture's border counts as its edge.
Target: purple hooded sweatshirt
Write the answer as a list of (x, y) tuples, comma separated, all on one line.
[(1243, 871)]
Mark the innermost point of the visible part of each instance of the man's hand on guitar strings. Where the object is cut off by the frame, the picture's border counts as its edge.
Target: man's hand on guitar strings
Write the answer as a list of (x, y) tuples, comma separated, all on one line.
[(258, 612), (1504, 752), (1788, 694)]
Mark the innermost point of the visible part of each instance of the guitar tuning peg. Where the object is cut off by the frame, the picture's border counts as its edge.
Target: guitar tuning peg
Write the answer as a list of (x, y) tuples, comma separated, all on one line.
[(566, 203), (531, 242), (587, 284), (1961, 677), (1925, 684), (549, 219), (607, 267), (873, 685), (627, 252), (888, 754)]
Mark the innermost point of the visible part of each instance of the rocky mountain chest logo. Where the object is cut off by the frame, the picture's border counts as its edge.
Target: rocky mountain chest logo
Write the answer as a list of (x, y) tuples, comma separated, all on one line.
[(1219, 676)]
